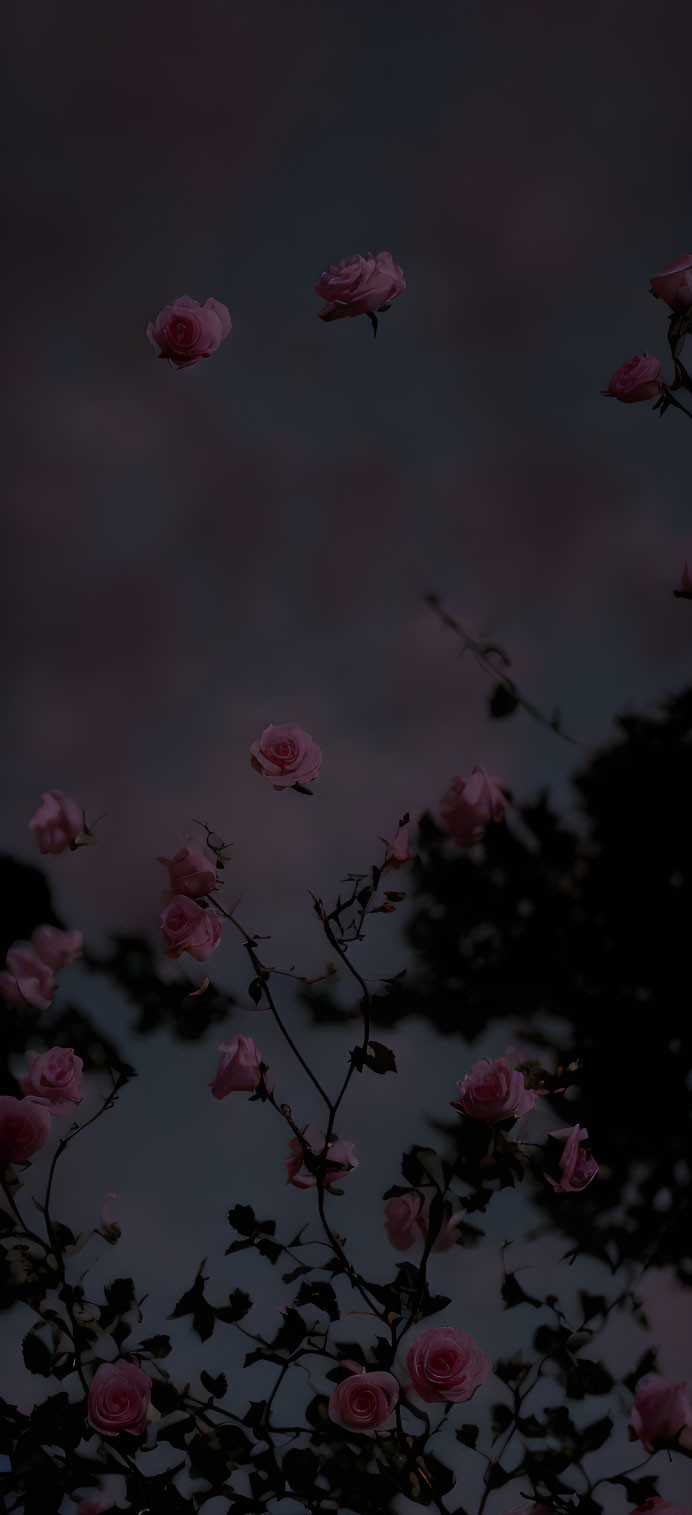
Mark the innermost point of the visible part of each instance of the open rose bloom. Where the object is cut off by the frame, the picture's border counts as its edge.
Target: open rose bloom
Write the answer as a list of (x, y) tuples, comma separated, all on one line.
[(239, 1068), (24, 1127), (446, 1364), (190, 872), (185, 331), (660, 1410), (470, 805), (58, 949), (57, 823), (364, 1402), (340, 1157), (287, 755), (358, 285), (54, 1076), (674, 283), (118, 1398), (26, 980), (187, 927), (494, 1091), (639, 378), (577, 1166)]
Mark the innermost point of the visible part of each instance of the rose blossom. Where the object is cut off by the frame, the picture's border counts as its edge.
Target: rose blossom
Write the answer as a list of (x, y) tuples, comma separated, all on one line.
[(660, 1410), (469, 806), (190, 871), (24, 1126), (446, 1364), (26, 980), (364, 1401), (340, 1153), (287, 755), (407, 1217), (57, 823), (577, 1166), (397, 850), (185, 331), (239, 1068), (358, 285), (59, 949), (674, 283), (493, 1091), (118, 1398), (54, 1076), (187, 927), (639, 378)]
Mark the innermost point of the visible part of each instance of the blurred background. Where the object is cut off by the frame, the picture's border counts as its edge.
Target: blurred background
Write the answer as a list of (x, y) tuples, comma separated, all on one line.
[(192, 555)]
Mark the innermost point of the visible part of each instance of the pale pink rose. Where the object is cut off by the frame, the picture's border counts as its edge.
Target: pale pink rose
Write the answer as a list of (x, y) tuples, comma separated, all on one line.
[(407, 1218), (494, 1091), (660, 1410), (187, 927), (118, 1398), (470, 805), (340, 1159), (639, 378), (54, 1076), (364, 1401), (185, 331), (358, 285), (190, 872), (447, 1364), (685, 590), (26, 980), (239, 1068), (287, 755), (577, 1166), (674, 283), (24, 1127), (397, 849), (57, 823), (59, 949)]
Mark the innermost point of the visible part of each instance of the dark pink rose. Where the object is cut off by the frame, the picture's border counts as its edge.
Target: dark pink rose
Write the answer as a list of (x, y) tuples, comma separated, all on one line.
[(397, 849), (57, 823), (674, 283), (187, 927), (118, 1398), (660, 1410), (577, 1166), (24, 1126), (340, 1161), (58, 949), (26, 980), (358, 285), (287, 755), (239, 1068), (190, 871), (494, 1091), (639, 378), (446, 1364), (54, 1076), (685, 590), (469, 806), (186, 331), (364, 1401)]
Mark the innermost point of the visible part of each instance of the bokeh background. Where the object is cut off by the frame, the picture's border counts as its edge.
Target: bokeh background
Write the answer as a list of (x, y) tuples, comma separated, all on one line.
[(192, 555)]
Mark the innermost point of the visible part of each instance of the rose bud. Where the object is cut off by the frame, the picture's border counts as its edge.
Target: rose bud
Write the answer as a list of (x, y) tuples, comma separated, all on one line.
[(54, 1076), (58, 949), (470, 805), (639, 378), (185, 331), (190, 872), (397, 849), (674, 283), (26, 980), (24, 1127), (118, 1398), (358, 285), (660, 1410), (493, 1091), (239, 1068), (57, 823), (577, 1166), (447, 1364), (287, 755), (685, 590), (187, 927), (364, 1401), (339, 1157)]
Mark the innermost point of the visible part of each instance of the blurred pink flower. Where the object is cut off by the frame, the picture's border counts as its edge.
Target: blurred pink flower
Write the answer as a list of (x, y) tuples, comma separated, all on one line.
[(54, 1076), (470, 805), (287, 755), (58, 949), (639, 378), (24, 1127), (447, 1364), (364, 1401), (493, 1091), (57, 823), (26, 980), (407, 1218), (187, 927), (190, 872), (358, 285), (239, 1068), (660, 1410), (577, 1166), (340, 1154), (185, 331), (397, 849), (674, 283)]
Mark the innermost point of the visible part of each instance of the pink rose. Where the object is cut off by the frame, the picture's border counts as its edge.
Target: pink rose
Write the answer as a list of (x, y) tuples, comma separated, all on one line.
[(469, 806), (24, 1126), (58, 949), (494, 1091), (639, 378), (340, 1161), (660, 1410), (187, 927), (358, 285), (239, 1068), (287, 755), (54, 1076), (674, 283), (186, 331), (685, 590), (57, 823), (118, 1398), (407, 1217), (364, 1401), (26, 980), (577, 1166), (446, 1364), (190, 871), (397, 850)]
